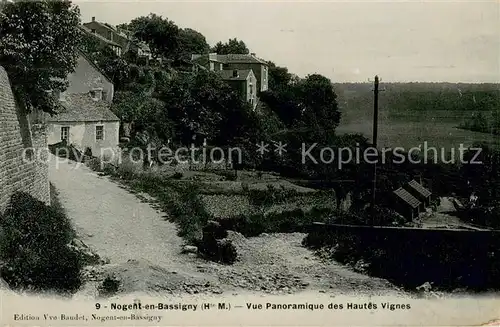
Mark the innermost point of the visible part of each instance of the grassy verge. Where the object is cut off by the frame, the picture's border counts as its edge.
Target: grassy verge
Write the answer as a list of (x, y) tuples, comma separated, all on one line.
[(180, 201)]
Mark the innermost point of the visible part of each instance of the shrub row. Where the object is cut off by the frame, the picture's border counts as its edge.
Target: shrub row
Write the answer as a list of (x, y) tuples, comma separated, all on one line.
[(296, 220), (410, 258), (483, 216)]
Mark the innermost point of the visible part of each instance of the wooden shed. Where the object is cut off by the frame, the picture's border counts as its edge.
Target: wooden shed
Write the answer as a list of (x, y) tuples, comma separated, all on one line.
[(421, 193), (406, 204)]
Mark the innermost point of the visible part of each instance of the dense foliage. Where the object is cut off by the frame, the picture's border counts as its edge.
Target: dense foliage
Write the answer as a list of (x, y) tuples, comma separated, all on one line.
[(34, 246), (38, 42), (165, 38), (232, 46)]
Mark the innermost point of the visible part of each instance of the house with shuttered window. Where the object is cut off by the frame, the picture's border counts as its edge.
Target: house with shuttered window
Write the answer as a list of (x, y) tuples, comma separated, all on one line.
[(84, 118)]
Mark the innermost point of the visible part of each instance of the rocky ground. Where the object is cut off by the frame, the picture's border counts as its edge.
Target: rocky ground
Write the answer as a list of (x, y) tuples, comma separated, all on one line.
[(269, 264), (140, 249)]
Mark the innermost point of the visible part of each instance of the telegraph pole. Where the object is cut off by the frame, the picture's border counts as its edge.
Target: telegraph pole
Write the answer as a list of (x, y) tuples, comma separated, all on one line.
[(374, 141)]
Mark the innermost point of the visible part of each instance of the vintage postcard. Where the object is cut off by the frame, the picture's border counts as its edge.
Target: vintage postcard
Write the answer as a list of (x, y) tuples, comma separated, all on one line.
[(249, 163)]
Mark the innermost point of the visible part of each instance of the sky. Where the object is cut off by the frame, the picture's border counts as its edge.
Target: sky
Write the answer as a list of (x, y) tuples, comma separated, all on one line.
[(346, 41)]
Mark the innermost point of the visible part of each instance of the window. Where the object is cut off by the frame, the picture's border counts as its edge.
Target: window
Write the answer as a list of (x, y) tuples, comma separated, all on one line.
[(212, 66), (99, 133), (93, 31), (96, 94), (65, 133), (118, 50)]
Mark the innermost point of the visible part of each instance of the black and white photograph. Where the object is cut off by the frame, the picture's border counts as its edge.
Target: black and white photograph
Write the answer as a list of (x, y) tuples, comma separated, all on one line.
[(298, 163)]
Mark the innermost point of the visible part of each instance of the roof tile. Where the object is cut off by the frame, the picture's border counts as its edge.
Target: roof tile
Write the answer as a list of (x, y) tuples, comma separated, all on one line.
[(240, 58), (407, 197), (82, 108), (419, 188)]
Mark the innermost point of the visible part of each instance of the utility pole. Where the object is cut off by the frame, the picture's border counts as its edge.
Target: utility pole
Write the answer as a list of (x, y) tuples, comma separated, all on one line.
[(374, 141)]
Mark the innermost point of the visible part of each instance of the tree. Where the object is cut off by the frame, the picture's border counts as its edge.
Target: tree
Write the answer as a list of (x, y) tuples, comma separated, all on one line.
[(309, 103), (38, 43), (191, 42), (318, 103), (114, 67), (284, 102), (278, 76), (201, 104), (90, 45), (232, 46), (140, 113), (161, 34)]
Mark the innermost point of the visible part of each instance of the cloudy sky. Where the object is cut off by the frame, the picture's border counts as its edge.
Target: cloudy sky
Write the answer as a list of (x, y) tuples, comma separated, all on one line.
[(456, 41)]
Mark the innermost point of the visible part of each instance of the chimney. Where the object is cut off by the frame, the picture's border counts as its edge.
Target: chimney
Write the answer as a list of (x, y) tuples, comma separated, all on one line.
[(235, 73), (252, 54), (93, 18)]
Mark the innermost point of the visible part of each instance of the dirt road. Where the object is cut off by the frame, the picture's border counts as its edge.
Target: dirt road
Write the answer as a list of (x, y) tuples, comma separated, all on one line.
[(144, 250)]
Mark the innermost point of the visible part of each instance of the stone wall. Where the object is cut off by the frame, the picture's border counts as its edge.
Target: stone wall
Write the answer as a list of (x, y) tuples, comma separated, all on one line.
[(20, 169)]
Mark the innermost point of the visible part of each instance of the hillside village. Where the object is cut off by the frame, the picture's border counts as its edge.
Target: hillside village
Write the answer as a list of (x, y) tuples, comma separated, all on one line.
[(133, 222)]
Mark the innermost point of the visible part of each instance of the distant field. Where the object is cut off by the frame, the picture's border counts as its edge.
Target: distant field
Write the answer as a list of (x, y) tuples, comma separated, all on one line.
[(439, 134), (403, 122)]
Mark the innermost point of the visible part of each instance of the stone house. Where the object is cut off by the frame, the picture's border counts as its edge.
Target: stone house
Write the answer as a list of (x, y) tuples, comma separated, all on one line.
[(84, 118), (103, 42), (216, 62), (121, 37), (243, 81), (86, 123)]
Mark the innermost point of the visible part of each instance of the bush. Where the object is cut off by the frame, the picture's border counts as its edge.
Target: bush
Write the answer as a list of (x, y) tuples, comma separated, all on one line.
[(106, 168), (295, 220), (110, 286), (227, 251), (127, 170), (177, 175), (109, 169), (218, 250), (229, 175), (94, 164), (34, 247), (214, 230), (270, 196), (483, 216), (410, 258)]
